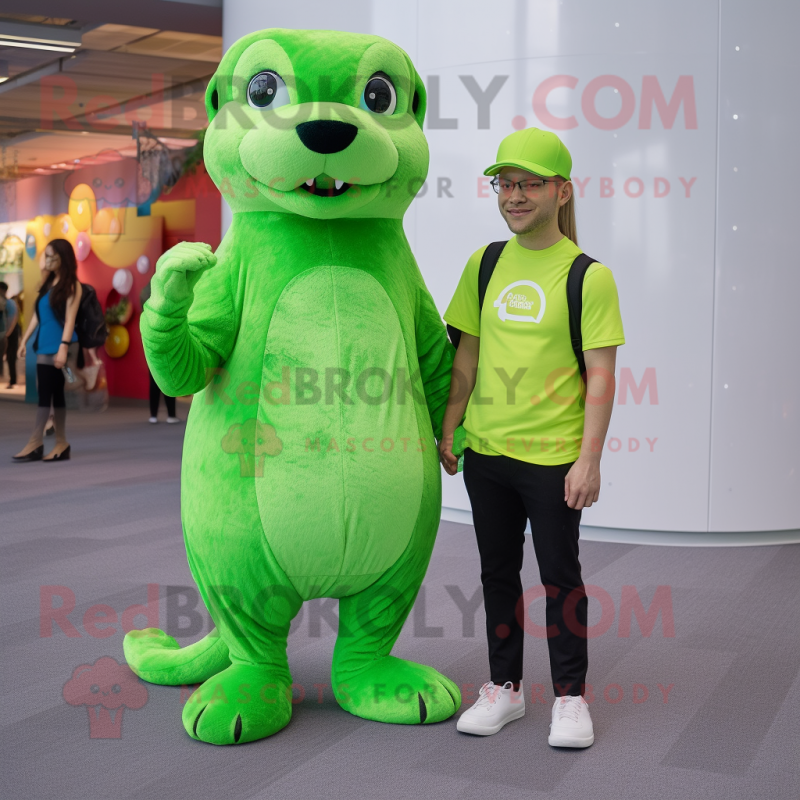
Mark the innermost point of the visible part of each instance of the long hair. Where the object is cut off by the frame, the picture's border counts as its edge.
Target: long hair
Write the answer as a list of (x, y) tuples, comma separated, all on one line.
[(566, 219), (67, 277)]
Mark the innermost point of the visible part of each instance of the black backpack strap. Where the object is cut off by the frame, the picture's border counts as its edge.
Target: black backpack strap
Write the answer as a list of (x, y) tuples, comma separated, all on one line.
[(489, 259), (577, 272), (454, 334)]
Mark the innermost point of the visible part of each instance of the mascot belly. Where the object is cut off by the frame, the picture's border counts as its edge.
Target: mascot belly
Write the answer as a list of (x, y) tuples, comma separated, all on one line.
[(349, 505)]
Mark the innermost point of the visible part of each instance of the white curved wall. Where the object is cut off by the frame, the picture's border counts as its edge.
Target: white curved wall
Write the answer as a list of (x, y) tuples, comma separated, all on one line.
[(705, 433)]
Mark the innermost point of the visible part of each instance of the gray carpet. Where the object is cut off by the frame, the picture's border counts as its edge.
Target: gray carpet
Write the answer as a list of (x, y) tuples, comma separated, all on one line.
[(106, 524)]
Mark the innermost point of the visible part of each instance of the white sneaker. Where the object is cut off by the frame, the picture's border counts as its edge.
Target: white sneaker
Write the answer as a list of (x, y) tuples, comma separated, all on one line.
[(173, 420), (572, 724), (153, 420), (496, 705)]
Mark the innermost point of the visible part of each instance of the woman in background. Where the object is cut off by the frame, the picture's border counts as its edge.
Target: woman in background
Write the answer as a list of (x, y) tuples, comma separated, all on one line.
[(55, 312)]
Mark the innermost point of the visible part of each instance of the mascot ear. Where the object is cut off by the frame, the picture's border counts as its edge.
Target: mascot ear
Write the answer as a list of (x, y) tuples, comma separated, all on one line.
[(419, 100), (212, 98)]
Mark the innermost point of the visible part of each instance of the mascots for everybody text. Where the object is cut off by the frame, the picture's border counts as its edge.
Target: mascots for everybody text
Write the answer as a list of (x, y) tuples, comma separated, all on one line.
[(320, 368)]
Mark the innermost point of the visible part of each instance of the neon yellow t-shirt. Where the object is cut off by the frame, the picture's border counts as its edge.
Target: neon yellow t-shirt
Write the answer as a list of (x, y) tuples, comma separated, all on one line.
[(527, 402)]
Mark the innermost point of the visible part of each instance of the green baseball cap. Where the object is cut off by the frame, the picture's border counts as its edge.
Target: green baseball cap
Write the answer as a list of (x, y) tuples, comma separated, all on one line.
[(534, 150)]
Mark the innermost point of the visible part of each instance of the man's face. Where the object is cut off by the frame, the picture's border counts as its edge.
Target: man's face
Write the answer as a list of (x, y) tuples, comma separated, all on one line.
[(534, 211)]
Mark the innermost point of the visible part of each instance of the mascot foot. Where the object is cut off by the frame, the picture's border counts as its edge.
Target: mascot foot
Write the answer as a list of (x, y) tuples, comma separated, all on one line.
[(241, 704), (157, 658), (393, 690)]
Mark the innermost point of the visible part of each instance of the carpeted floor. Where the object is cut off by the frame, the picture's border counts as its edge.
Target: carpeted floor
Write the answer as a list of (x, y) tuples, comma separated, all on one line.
[(107, 523)]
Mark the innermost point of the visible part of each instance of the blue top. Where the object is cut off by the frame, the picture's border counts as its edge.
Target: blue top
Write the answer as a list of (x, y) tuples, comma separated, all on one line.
[(50, 329)]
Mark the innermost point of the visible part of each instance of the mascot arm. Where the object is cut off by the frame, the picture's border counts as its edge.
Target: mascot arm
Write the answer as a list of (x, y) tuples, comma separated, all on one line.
[(189, 324), (435, 355)]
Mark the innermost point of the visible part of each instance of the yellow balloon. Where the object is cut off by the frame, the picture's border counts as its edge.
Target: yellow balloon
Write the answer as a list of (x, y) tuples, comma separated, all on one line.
[(82, 206), (118, 341), (64, 228), (107, 224)]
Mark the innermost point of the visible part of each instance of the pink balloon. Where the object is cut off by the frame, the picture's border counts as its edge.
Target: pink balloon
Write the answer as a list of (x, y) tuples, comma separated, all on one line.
[(83, 246)]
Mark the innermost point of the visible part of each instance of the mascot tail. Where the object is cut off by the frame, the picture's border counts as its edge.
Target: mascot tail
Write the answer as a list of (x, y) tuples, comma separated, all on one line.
[(158, 658)]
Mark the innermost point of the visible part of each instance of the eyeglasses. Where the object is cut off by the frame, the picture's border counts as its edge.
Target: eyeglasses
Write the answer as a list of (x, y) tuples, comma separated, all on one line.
[(529, 188)]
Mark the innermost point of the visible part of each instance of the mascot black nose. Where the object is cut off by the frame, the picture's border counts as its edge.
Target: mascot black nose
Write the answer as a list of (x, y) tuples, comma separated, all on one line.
[(326, 135)]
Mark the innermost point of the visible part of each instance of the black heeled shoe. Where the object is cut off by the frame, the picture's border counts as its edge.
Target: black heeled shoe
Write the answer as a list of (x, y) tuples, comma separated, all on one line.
[(34, 455), (62, 456)]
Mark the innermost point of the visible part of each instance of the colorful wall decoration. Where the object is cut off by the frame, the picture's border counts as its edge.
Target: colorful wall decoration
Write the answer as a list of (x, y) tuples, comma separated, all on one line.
[(12, 254), (117, 252)]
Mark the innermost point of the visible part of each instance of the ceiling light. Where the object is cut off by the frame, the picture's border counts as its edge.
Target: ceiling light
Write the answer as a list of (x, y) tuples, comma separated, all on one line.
[(34, 36), (35, 46), (3, 71)]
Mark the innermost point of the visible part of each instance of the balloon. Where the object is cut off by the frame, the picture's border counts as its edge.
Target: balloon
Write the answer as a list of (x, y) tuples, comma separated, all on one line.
[(122, 281), (63, 223), (30, 245), (47, 228), (83, 246), (143, 264), (118, 341), (82, 206), (106, 223)]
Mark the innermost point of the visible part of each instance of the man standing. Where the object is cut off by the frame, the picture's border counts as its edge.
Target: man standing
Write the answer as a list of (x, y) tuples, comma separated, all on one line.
[(9, 334), (535, 431)]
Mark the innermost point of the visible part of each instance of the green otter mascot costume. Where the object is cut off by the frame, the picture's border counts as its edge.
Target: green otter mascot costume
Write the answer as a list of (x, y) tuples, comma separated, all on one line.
[(320, 369)]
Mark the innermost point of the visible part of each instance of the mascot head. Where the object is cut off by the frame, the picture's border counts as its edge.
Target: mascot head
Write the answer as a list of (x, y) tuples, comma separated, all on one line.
[(316, 123)]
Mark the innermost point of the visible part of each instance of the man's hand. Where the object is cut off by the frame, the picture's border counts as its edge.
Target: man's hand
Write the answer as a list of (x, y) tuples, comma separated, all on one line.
[(449, 461), (582, 484)]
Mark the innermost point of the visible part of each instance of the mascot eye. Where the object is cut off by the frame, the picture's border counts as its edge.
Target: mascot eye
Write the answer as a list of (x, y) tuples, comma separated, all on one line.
[(94, 688), (379, 95), (116, 688), (267, 90)]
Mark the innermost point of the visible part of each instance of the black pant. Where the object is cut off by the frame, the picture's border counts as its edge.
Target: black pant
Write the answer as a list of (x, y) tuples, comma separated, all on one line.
[(11, 354), (50, 383), (504, 493), (155, 396)]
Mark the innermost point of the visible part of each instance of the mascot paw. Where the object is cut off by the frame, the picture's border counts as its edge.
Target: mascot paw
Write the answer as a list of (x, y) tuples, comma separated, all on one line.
[(240, 704), (393, 690)]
